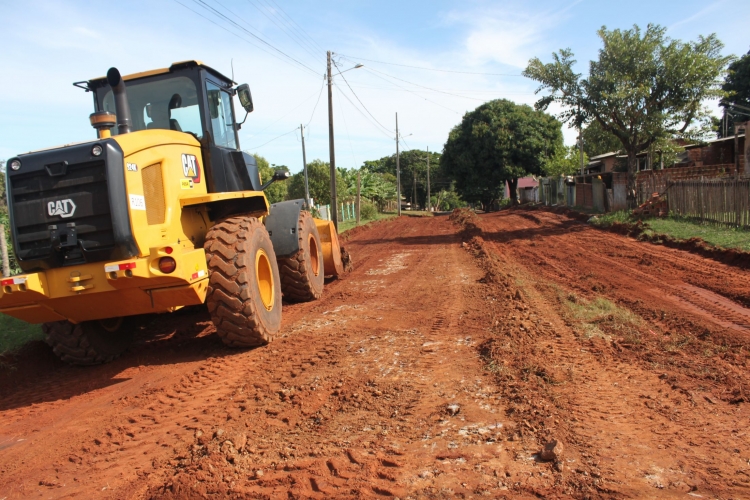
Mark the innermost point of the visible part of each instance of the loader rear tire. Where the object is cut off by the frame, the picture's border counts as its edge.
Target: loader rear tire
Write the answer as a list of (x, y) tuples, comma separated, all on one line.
[(244, 291), (90, 342), (302, 274)]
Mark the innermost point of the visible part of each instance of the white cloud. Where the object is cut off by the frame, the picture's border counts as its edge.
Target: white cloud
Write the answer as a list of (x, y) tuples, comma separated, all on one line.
[(510, 35)]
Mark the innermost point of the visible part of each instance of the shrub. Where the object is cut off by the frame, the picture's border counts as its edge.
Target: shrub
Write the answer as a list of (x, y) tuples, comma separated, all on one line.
[(367, 210)]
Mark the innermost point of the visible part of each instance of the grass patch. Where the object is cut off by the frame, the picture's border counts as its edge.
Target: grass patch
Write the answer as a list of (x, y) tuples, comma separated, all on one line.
[(600, 315), (606, 220), (718, 236), (14, 333), (345, 226)]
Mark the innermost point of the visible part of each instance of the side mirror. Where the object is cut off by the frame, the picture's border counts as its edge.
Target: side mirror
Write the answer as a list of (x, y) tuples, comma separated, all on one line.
[(279, 175), (246, 99)]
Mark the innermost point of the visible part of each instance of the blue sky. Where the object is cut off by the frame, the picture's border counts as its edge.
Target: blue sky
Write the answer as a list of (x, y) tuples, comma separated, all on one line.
[(49, 44)]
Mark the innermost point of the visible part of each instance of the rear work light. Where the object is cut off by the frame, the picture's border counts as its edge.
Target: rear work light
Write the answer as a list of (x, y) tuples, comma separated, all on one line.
[(167, 265), (119, 267)]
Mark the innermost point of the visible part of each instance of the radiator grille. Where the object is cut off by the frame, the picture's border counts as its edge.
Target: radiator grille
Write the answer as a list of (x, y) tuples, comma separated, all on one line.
[(153, 190)]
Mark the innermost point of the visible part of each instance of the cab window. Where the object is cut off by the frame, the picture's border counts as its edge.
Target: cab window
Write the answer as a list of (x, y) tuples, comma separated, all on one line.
[(221, 117), (170, 103)]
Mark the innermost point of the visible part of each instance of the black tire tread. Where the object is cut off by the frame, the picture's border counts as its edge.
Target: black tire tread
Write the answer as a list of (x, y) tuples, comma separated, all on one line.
[(69, 343), (230, 300), (296, 281)]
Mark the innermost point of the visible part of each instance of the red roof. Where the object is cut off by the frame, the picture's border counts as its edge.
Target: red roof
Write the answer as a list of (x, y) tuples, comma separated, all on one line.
[(527, 182)]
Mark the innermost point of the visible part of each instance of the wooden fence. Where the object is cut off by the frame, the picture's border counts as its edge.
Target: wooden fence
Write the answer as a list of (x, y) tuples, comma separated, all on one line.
[(720, 201)]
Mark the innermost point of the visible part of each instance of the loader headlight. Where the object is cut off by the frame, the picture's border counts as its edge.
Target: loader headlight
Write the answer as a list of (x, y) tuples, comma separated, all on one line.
[(15, 165), (96, 150)]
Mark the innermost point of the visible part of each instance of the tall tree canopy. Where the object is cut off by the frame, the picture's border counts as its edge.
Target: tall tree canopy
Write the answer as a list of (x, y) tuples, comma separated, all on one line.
[(597, 141), (737, 89), (319, 180), (276, 192), (413, 165), (497, 142), (644, 87)]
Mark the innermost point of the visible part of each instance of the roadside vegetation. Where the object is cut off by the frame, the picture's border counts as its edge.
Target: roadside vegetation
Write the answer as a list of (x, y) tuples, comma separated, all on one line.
[(683, 229), (14, 333)]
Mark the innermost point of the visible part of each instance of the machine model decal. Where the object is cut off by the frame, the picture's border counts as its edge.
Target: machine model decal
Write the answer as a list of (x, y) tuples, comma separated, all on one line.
[(191, 168), (63, 208), (137, 202), (132, 167), (186, 183)]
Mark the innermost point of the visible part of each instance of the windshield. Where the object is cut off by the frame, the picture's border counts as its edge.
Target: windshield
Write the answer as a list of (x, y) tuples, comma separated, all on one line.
[(170, 104)]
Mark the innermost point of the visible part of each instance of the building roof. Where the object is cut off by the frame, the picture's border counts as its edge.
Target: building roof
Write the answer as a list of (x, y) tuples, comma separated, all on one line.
[(527, 182), (730, 138), (605, 155)]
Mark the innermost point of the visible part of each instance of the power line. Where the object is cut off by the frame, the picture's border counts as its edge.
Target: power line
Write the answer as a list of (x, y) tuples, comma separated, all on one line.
[(355, 59), (412, 92), (355, 95), (254, 44), (277, 137), (360, 111), (223, 16), (295, 40), (424, 87), (316, 103), (275, 9), (302, 30), (288, 112)]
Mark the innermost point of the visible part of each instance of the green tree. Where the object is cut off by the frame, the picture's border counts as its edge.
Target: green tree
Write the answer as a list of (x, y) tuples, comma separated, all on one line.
[(277, 191), (566, 161), (597, 141), (644, 87), (497, 142), (413, 164), (737, 93), (319, 180)]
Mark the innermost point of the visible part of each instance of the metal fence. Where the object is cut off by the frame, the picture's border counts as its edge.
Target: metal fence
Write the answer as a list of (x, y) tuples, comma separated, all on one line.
[(720, 201), (554, 192)]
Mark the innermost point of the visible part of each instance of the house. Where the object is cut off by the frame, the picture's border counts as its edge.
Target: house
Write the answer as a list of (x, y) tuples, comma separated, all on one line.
[(603, 163), (528, 190)]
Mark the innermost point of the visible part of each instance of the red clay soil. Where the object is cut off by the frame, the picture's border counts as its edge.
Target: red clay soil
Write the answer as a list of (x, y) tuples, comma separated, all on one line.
[(439, 367)]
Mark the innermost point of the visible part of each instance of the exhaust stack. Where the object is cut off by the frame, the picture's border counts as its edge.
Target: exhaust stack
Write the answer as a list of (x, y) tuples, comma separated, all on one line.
[(122, 109)]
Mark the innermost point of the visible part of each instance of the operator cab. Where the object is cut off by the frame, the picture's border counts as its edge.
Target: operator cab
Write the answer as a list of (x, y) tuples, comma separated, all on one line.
[(192, 98)]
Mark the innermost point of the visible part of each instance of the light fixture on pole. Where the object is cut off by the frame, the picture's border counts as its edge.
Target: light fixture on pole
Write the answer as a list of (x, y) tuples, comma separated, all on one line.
[(331, 150)]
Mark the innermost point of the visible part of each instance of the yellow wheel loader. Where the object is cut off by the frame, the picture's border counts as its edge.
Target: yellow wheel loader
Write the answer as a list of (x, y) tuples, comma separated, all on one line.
[(161, 211)]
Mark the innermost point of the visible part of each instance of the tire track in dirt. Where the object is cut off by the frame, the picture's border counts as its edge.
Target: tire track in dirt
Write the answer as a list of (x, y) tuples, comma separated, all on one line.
[(356, 398), (637, 428)]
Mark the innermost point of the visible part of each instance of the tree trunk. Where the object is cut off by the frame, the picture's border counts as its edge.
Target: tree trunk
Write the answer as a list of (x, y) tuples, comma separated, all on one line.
[(513, 191), (632, 171)]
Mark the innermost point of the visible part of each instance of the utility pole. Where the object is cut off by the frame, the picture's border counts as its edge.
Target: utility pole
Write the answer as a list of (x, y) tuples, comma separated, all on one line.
[(398, 173), (580, 146), (359, 190), (331, 152), (580, 138), (304, 166), (429, 207), (414, 190)]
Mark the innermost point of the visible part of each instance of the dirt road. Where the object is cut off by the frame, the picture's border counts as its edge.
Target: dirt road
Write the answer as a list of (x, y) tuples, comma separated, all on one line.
[(438, 368)]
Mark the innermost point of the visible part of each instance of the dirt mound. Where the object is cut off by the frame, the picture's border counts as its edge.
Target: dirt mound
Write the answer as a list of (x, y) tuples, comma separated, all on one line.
[(640, 230)]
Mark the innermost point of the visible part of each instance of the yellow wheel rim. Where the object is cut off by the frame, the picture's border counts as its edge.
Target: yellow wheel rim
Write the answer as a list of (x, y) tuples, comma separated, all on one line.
[(264, 279), (314, 255)]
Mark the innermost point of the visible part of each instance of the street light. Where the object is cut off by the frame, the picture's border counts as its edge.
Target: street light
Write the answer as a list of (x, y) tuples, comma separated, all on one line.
[(331, 152)]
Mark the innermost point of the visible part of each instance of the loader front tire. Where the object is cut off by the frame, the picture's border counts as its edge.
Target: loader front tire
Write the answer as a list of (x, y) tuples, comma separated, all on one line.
[(302, 274), (244, 291), (90, 342)]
